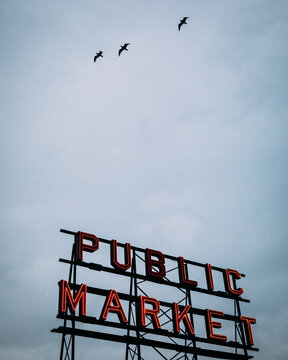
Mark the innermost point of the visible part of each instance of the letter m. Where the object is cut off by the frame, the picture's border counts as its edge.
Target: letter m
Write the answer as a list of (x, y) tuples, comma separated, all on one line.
[(65, 296)]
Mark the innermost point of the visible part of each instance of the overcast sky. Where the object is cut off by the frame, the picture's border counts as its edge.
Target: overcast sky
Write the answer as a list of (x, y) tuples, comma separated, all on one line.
[(180, 145)]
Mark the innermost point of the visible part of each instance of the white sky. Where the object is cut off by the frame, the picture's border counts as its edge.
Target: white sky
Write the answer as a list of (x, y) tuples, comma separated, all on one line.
[(180, 145)]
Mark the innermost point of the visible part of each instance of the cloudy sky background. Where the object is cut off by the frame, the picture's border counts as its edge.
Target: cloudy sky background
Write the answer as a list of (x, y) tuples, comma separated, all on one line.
[(179, 145)]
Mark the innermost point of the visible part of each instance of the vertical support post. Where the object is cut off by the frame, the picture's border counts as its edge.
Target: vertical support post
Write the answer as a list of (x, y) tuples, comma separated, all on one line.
[(235, 329), (240, 325), (130, 307), (136, 301), (69, 345), (74, 293), (186, 303), (189, 302), (133, 294)]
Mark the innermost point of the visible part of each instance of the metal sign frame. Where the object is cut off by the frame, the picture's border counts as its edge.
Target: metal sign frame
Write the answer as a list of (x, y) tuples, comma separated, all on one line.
[(183, 345)]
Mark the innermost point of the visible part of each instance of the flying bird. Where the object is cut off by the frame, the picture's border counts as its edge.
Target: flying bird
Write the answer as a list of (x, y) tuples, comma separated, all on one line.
[(183, 21), (123, 47), (99, 54)]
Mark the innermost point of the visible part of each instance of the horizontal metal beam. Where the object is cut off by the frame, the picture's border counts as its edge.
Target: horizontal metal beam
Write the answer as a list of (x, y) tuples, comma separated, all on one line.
[(94, 321), (99, 267), (153, 343)]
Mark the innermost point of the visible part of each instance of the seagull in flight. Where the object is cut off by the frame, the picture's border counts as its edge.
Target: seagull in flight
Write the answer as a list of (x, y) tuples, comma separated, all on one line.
[(183, 21), (99, 54), (123, 47)]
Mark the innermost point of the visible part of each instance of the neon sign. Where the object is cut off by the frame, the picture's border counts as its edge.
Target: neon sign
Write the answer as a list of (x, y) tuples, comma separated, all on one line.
[(141, 316)]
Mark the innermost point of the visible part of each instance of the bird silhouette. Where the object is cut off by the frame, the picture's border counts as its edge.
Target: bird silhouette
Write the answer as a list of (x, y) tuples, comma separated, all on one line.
[(123, 47), (99, 54), (183, 21)]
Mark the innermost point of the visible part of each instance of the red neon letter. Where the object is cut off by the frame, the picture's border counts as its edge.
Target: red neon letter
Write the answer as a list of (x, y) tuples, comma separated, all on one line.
[(227, 282), (177, 318), (152, 312), (209, 277), (160, 263), (115, 308), (65, 293), (182, 273), (127, 255), (247, 324), (210, 324), (85, 247)]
